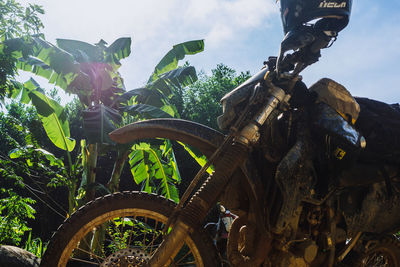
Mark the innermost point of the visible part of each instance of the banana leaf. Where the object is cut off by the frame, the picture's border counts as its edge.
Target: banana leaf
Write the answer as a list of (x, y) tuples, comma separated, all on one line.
[(178, 52), (175, 79), (119, 49), (147, 167), (146, 111), (54, 120), (81, 51)]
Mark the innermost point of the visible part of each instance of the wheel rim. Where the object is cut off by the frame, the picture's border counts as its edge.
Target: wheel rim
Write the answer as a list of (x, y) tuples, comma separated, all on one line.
[(379, 258), (127, 237)]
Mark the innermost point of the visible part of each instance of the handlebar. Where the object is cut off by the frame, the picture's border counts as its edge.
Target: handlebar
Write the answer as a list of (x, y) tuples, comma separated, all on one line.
[(307, 43)]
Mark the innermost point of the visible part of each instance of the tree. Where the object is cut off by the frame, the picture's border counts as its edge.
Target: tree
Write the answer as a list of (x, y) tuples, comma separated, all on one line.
[(15, 21), (15, 209), (201, 99), (24, 171)]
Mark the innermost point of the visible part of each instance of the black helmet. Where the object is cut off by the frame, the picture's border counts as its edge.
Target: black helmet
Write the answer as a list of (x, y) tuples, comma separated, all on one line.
[(331, 15)]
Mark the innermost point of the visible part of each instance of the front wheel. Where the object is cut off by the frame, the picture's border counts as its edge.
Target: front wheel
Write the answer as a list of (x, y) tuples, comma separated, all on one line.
[(122, 229), (384, 253)]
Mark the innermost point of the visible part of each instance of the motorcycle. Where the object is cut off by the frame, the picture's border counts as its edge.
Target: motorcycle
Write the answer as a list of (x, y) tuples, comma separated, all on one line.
[(289, 169)]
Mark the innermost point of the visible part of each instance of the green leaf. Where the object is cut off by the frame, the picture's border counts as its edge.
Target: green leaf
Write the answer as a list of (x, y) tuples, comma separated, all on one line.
[(17, 88), (169, 82), (82, 51), (146, 166), (139, 169), (146, 111), (31, 84), (59, 60), (143, 96), (98, 122), (201, 160), (18, 47), (176, 174), (42, 105), (85, 156), (160, 173), (82, 87), (178, 52), (24, 96), (54, 161), (35, 66), (54, 119), (180, 77), (119, 49), (46, 60), (16, 153), (172, 191)]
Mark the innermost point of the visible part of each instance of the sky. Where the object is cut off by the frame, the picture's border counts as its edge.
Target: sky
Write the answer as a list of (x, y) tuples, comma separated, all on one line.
[(239, 33)]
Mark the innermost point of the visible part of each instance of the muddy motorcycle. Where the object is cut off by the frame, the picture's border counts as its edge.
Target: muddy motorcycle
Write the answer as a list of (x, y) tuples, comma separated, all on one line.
[(289, 169)]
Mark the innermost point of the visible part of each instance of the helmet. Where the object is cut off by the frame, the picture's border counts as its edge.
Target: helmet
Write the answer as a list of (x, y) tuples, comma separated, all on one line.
[(330, 15)]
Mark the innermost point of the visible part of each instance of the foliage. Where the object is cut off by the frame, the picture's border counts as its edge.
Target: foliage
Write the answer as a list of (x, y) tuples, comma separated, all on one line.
[(156, 169), (201, 99), (15, 210), (90, 72), (15, 21), (51, 113), (35, 246), (27, 162)]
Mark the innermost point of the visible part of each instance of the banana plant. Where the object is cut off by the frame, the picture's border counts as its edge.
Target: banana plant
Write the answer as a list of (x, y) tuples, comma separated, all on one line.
[(153, 101), (91, 72)]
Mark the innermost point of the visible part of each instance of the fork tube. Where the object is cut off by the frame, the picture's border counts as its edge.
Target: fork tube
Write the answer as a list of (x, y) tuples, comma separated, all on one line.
[(194, 213)]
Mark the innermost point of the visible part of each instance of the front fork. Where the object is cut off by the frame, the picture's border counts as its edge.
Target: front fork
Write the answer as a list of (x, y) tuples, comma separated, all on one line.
[(206, 197)]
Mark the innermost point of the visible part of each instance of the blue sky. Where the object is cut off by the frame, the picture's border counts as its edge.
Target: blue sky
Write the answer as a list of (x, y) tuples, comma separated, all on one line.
[(238, 33)]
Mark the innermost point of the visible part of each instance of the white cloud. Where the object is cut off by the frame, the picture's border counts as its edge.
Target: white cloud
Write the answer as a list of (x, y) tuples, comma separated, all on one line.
[(154, 25), (227, 20), (146, 20), (218, 34), (236, 32)]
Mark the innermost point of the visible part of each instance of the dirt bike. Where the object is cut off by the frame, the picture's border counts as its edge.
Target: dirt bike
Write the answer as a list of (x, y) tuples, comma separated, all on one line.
[(289, 168)]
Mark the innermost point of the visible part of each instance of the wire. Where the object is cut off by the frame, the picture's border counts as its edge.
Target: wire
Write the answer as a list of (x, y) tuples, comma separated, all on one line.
[(44, 202), (41, 191)]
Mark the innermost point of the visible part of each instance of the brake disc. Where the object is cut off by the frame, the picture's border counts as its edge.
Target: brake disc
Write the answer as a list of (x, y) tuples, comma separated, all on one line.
[(128, 257)]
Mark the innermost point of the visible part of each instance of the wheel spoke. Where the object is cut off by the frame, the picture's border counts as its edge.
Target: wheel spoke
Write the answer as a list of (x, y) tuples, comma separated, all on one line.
[(184, 256), (134, 239), (113, 239), (145, 231), (154, 237), (90, 253), (130, 234), (100, 246)]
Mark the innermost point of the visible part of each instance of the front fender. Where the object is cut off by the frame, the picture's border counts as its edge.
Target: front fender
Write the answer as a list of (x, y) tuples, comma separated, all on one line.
[(206, 139), (194, 134)]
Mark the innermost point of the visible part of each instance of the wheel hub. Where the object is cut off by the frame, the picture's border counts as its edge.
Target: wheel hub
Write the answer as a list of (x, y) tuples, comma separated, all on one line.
[(128, 257), (378, 259)]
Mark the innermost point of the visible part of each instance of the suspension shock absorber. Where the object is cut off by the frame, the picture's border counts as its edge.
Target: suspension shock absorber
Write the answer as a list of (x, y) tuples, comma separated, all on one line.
[(197, 208)]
